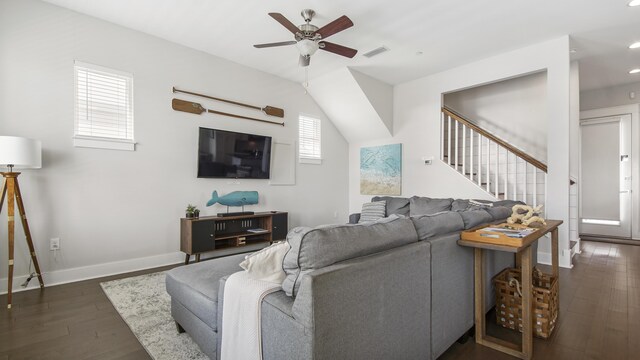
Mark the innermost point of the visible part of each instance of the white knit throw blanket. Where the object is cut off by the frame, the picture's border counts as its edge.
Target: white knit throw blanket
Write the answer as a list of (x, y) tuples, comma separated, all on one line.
[(241, 338)]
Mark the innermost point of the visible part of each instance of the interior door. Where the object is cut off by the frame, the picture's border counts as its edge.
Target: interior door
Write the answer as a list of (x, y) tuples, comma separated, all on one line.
[(606, 176)]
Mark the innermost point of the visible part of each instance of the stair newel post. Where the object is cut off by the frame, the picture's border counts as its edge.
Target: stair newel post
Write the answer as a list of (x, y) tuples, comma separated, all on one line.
[(471, 156)]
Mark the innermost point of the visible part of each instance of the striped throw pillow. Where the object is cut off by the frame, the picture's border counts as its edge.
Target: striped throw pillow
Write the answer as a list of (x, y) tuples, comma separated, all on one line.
[(373, 211)]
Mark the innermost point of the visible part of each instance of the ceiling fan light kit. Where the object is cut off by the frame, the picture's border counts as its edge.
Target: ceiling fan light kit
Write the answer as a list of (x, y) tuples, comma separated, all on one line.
[(309, 38)]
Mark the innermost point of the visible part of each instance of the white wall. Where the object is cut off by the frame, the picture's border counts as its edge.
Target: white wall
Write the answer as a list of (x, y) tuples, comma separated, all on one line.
[(610, 96), (417, 125), (514, 110), (124, 207)]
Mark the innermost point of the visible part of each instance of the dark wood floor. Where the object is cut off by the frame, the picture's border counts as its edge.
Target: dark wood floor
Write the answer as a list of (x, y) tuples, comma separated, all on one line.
[(599, 318), (71, 321)]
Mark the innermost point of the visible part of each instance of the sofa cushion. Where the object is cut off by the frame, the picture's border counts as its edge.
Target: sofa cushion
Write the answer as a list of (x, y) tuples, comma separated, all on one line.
[(426, 206), (395, 205), (508, 203), (316, 248), (468, 204), (473, 218), (195, 286), (499, 212), (428, 226), (372, 211)]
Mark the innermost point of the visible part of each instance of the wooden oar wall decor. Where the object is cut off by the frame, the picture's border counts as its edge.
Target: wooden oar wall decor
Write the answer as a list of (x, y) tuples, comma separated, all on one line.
[(195, 108)]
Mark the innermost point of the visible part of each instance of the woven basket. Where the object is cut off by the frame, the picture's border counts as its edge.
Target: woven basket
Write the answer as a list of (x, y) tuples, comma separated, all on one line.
[(509, 301)]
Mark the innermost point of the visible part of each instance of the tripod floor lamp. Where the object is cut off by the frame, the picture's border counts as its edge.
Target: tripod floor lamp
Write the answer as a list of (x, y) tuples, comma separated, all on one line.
[(21, 153)]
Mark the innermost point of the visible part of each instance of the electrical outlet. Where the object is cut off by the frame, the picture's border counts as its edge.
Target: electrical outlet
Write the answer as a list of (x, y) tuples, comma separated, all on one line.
[(427, 160), (54, 244)]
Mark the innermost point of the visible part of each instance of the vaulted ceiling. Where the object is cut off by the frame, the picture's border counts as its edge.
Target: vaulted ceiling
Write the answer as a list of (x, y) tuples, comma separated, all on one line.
[(424, 36)]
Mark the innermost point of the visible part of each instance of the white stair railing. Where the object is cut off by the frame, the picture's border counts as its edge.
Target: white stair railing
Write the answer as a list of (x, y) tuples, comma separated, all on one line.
[(491, 163)]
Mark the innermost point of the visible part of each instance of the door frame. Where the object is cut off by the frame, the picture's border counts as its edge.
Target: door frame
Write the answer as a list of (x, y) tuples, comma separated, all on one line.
[(624, 228), (634, 110)]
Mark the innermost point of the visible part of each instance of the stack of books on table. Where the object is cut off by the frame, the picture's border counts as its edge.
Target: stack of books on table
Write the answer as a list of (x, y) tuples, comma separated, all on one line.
[(510, 232)]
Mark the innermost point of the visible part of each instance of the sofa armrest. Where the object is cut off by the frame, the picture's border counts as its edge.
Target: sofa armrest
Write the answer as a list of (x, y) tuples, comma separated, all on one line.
[(354, 218), (365, 300)]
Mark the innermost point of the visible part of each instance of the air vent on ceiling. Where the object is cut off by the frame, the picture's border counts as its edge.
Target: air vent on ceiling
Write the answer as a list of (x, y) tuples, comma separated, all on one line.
[(375, 51)]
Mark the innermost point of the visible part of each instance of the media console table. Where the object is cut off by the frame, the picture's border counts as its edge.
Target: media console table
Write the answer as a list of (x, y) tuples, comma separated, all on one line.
[(216, 233)]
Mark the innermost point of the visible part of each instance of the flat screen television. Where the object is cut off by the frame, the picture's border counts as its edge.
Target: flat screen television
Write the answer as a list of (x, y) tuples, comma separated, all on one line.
[(228, 154)]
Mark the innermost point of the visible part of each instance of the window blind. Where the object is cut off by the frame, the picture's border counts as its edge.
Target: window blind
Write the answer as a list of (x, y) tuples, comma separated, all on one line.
[(104, 103), (309, 138)]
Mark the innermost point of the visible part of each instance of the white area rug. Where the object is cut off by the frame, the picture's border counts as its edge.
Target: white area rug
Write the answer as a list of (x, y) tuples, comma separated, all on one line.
[(144, 304)]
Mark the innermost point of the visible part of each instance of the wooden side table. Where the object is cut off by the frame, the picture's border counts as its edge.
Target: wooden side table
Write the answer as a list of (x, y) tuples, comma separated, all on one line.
[(523, 261)]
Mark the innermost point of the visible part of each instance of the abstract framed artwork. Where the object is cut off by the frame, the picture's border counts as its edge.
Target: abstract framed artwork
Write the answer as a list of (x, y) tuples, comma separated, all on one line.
[(381, 170)]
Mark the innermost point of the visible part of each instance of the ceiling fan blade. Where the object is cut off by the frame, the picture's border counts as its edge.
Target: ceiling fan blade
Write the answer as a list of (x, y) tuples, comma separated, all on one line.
[(304, 60), (285, 22), (283, 43), (337, 25), (338, 49)]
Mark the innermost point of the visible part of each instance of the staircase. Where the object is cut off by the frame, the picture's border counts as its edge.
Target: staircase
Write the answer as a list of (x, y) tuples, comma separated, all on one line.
[(497, 167)]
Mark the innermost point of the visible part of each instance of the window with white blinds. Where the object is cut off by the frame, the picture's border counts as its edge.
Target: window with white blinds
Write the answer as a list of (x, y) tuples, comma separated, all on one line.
[(103, 107), (309, 135)]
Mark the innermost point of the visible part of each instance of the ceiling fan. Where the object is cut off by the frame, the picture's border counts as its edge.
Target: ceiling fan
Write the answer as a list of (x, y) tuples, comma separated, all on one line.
[(309, 38)]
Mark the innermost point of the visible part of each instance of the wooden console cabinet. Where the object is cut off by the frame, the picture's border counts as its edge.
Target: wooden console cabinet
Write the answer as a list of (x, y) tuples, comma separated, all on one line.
[(215, 233)]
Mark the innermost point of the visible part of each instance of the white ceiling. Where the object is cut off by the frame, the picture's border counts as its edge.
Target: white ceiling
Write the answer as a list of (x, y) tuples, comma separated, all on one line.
[(604, 56), (449, 33)]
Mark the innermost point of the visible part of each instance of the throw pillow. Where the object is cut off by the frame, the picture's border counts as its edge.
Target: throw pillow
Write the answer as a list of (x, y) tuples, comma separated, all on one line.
[(373, 211), (266, 264), (395, 205)]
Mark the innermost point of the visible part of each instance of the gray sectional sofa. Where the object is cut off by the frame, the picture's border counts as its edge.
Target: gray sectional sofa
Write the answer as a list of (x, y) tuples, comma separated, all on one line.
[(396, 288)]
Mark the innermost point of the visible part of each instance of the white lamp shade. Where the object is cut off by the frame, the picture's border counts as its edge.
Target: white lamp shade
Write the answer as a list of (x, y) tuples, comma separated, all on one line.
[(307, 47), (20, 152)]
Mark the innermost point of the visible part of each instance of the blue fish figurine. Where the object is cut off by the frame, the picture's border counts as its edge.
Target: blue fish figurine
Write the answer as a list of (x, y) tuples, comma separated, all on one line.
[(236, 198)]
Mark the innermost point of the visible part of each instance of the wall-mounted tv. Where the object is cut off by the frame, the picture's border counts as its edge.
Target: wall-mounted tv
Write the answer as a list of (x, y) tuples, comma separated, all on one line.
[(228, 154)]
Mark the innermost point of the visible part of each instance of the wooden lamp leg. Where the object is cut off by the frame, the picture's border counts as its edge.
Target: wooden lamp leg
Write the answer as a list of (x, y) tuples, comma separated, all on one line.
[(11, 191), (3, 193), (27, 233), (10, 213)]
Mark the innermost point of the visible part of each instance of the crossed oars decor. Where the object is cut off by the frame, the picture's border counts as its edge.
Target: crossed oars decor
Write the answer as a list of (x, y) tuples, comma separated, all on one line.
[(196, 108)]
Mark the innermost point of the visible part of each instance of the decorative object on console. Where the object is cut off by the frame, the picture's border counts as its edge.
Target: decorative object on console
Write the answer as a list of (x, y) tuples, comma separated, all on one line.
[(196, 108), (21, 153), (192, 211), (269, 110), (526, 215), (381, 170), (373, 211), (309, 38), (235, 198)]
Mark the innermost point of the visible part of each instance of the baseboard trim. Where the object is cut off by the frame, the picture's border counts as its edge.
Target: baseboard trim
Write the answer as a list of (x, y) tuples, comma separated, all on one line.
[(544, 258), (612, 240), (64, 276)]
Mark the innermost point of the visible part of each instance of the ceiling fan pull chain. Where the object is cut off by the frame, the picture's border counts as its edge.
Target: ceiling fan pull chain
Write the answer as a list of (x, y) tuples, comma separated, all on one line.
[(306, 80)]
